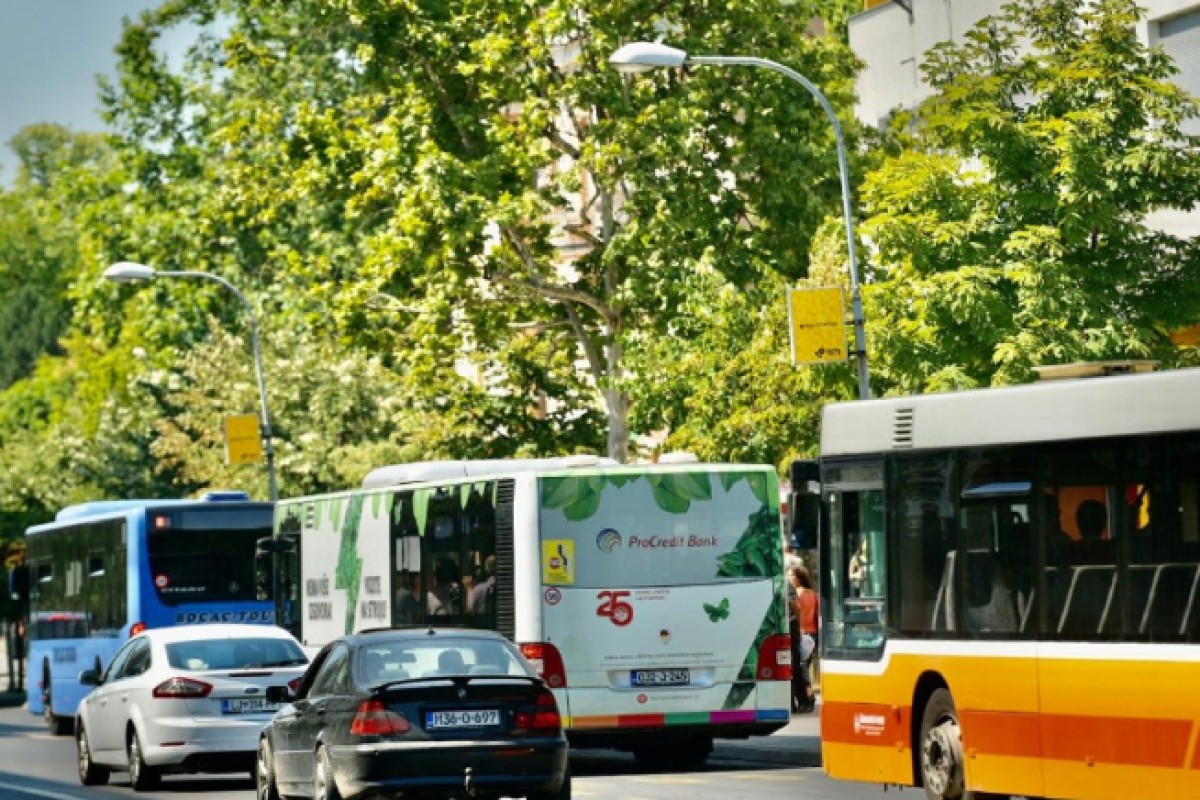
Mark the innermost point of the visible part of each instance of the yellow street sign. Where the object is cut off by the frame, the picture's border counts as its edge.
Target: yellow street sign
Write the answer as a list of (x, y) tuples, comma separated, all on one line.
[(243, 442), (817, 323)]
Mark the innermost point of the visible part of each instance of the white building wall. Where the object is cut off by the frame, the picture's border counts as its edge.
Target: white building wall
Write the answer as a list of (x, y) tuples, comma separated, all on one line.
[(892, 44)]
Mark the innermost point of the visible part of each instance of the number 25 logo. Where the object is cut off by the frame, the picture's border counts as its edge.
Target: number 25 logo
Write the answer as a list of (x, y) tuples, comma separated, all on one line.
[(615, 608)]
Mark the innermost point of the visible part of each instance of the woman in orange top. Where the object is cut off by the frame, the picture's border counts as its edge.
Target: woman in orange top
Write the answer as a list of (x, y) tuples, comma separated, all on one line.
[(808, 613)]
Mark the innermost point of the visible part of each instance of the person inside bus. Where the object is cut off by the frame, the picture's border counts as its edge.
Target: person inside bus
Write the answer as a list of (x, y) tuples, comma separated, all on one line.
[(860, 566), (445, 595), (1091, 518), (481, 599), (407, 607)]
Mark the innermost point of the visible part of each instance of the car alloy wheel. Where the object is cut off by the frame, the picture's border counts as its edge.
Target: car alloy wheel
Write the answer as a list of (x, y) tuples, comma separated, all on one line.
[(90, 773), (264, 773), (142, 777), (323, 785)]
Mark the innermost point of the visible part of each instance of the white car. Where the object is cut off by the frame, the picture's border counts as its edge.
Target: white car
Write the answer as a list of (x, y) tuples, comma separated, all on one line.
[(185, 699)]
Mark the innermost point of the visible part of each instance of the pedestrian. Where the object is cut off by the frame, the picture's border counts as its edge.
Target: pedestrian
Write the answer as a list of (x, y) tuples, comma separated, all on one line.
[(807, 615), (16, 653)]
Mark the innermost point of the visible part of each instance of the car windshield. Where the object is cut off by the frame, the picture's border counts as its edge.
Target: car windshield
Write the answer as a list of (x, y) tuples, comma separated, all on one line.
[(396, 660), (209, 654)]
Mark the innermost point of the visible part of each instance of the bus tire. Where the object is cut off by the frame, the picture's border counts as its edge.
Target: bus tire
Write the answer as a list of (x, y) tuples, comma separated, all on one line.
[(58, 725), (943, 773)]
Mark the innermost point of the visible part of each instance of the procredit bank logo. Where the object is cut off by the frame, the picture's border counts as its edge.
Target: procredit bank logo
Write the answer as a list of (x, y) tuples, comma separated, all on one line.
[(608, 540)]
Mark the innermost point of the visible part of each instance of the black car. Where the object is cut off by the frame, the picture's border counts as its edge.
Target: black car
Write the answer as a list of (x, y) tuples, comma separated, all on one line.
[(415, 713)]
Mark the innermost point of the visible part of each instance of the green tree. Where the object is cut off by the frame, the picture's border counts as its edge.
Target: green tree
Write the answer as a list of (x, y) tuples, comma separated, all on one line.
[(443, 179), (1012, 230)]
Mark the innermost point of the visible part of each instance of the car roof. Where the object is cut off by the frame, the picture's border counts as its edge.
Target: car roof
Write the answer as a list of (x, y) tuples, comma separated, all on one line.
[(366, 637), (223, 630)]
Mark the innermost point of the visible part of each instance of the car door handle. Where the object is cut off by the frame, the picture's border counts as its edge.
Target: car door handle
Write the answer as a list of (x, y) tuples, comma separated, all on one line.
[(319, 708)]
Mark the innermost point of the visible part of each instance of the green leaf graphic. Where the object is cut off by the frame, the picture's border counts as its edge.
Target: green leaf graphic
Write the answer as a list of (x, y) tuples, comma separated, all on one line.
[(559, 492), (583, 507), (692, 485)]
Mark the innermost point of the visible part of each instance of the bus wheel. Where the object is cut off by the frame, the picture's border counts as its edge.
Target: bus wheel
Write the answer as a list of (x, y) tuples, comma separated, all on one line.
[(942, 770), (59, 726)]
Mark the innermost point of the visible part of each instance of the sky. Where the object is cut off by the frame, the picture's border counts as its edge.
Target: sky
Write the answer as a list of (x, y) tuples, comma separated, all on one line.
[(50, 54)]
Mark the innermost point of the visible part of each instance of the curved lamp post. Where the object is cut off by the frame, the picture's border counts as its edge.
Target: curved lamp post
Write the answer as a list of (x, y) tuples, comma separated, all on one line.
[(129, 272), (644, 56)]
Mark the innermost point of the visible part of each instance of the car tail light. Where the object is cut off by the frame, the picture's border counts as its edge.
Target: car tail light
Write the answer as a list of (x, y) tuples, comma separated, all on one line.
[(294, 685), (136, 628), (775, 658), (182, 688), (546, 659), (542, 717), (374, 719)]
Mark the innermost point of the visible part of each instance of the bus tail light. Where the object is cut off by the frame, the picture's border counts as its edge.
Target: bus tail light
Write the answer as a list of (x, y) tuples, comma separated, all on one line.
[(542, 717), (547, 661), (181, 688), (136, 628), (775, 658), (374, 719)]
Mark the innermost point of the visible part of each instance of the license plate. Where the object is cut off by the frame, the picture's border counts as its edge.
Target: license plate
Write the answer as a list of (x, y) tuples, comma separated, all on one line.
[(659, 677), (249, 705), (455, 720)]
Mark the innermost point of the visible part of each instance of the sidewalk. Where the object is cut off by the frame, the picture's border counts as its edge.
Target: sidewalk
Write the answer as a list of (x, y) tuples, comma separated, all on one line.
[(7, 699), (798, 744)]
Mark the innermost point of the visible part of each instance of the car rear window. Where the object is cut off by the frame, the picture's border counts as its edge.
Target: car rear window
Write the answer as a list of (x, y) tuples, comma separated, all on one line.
[(430, 658), (199, 656)]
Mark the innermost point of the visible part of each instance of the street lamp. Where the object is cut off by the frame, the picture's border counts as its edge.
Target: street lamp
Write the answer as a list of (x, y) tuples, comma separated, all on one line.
[(644, 56), (129, 272)]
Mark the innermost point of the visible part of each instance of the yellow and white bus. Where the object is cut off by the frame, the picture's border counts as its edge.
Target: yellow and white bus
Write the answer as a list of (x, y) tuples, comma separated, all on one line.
[(1010, 583), (650, 597)]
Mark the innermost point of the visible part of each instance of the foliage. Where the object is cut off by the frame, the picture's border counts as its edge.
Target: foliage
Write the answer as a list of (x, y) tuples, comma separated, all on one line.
[(1012, 232), (419, 172)]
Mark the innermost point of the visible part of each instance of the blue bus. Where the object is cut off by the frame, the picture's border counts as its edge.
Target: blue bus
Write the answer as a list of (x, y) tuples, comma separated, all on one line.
[(104, 571)]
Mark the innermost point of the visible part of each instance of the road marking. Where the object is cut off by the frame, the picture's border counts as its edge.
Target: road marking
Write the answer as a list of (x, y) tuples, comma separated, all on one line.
[(668, 779), (39, 792)]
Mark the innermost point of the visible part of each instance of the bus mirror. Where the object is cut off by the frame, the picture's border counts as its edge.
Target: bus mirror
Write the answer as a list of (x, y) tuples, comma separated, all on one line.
[(265, 546), (804, 514), (804, 503)]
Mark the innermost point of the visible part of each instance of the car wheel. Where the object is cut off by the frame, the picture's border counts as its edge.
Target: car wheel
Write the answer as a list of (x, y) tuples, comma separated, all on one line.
[(142, 776), (264, 773), (90, 773), (943, 773), (563, 793), (324, 787)]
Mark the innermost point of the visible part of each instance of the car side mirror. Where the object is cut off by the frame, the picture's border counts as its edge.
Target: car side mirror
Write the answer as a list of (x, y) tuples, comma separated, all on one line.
[(89, 677), (279, 694)]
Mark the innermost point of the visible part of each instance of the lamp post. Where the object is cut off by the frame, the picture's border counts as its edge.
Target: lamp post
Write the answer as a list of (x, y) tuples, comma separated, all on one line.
[(129, 272), (644, 56)]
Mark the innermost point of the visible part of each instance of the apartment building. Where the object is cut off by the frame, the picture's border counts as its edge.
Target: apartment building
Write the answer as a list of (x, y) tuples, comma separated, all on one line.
[(891, 38)]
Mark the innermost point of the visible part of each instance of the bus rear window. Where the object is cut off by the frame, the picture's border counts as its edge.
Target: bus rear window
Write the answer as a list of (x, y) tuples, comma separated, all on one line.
[(204, 566)]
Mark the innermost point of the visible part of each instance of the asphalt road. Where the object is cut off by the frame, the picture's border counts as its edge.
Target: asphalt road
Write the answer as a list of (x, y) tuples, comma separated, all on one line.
[(37, 766)]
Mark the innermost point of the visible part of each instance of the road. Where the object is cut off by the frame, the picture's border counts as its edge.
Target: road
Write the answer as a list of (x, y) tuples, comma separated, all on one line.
[(37, 766)]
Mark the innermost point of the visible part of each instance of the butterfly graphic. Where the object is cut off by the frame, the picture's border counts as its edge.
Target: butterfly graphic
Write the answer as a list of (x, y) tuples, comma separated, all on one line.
[(718, 612)]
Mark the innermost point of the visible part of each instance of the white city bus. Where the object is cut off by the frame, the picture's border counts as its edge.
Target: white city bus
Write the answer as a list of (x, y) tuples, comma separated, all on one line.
[(650, 597)]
